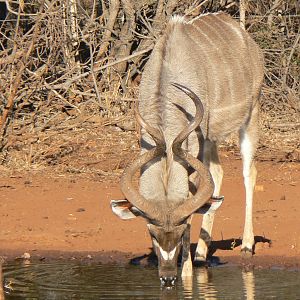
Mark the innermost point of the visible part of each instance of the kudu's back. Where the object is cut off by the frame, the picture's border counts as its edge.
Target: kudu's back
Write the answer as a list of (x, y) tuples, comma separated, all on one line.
[(216, 59)]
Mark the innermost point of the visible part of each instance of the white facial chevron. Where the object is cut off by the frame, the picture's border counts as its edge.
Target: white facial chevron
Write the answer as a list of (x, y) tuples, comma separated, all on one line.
[(167, 255)]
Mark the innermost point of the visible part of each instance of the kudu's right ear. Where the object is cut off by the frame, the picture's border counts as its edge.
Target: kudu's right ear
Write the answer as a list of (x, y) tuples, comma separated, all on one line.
[(125, 210)]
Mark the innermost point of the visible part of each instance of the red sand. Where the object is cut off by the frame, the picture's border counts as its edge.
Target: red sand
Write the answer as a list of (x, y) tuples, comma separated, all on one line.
[(71, 217)]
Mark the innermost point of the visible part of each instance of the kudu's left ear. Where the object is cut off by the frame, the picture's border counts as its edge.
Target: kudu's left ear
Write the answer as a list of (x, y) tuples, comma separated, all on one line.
[(124, 209)]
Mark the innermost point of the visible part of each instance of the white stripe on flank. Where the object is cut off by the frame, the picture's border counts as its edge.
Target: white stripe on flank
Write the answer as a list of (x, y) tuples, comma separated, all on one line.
[(228, 107), (203, 15)]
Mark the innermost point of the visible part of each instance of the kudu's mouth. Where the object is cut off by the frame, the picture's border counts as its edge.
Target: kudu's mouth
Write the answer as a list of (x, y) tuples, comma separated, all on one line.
[(168, 282)]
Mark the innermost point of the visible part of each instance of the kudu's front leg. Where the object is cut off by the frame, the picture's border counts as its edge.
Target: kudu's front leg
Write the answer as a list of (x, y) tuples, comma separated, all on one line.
[(186, 260), (211, 160)]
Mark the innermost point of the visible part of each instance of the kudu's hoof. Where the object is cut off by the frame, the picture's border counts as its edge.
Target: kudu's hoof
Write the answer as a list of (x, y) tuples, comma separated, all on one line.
[(247, 252), (199, 258)]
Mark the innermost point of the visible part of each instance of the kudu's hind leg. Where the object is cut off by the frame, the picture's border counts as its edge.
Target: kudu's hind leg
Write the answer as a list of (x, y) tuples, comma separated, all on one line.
[(211, 160), (248, 144)]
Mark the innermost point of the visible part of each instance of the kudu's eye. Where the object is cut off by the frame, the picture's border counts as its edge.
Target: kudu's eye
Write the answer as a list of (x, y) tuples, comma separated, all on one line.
[(153, 236), (155, 242), (154, 231)]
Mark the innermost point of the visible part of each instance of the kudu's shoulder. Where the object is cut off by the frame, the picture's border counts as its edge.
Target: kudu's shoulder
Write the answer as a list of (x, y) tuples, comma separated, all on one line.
[(202, 21), (217, 25), (210, 30)]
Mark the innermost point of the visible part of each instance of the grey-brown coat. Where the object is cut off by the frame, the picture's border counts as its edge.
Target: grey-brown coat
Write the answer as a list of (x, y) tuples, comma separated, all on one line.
[(212, 59)]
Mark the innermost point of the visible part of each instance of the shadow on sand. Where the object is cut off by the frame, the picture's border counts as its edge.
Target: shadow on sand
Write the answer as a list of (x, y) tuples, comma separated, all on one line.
[(229, 245)]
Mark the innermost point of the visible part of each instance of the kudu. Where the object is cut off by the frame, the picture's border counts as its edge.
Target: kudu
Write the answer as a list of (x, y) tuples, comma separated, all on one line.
[(209, 58)]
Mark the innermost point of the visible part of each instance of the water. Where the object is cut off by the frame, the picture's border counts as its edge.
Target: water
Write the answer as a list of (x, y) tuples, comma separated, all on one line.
[(74, 281)]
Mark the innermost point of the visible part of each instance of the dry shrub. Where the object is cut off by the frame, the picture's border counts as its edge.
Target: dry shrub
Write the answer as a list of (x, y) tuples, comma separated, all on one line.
[(277, 32), (69, 68)]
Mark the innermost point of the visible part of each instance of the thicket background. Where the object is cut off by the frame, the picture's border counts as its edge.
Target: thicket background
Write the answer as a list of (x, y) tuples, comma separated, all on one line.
[(70, 70)]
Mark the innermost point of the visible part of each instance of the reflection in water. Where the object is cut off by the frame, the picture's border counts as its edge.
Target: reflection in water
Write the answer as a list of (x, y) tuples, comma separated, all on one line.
[(201, 287), (73, 281), (249, 284), (187, 284), (204, 288)]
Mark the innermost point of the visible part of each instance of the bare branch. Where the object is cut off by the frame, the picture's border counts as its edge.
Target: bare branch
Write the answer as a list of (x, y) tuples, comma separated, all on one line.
[(113, 13), (17, 80), (243, 13), (67, 83)]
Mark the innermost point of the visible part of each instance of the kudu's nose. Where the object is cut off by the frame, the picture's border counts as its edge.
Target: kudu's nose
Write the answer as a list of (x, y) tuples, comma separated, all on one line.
[(168, 282)]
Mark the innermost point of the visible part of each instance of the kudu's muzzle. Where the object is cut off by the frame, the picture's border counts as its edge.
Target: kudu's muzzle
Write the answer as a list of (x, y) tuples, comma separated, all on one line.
[(168, 270), (168, 282)]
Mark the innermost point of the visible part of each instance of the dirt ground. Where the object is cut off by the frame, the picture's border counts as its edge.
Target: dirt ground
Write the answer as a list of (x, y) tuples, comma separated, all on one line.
[(54, 215)]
